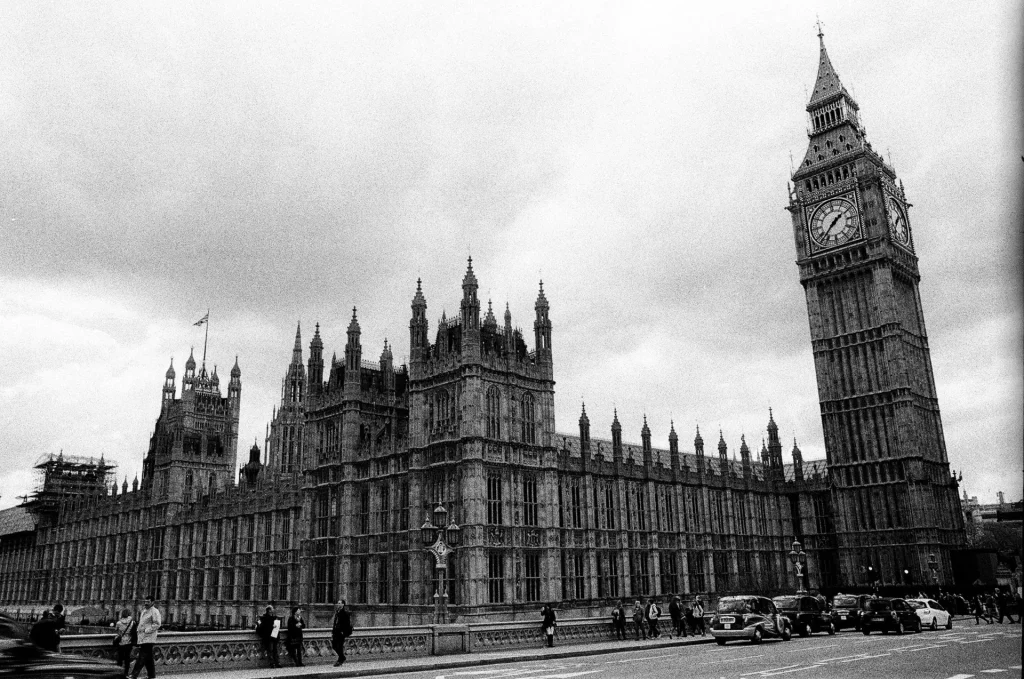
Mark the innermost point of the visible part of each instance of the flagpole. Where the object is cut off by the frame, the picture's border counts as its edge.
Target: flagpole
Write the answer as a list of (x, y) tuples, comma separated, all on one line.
[(206, 335)]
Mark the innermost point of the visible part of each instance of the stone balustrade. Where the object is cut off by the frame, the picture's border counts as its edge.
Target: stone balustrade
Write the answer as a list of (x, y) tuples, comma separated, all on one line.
[(178, 652)]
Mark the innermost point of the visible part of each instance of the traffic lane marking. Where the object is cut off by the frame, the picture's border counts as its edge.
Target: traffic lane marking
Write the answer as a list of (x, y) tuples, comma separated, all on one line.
[(993, 671), (812, 648), (960, 676)]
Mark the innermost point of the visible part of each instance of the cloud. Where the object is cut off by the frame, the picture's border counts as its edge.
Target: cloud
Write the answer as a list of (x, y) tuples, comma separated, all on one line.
[(278, 164)]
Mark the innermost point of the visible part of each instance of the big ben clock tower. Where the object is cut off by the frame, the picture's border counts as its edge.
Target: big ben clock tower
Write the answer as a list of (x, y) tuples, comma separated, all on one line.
[(894, 498)]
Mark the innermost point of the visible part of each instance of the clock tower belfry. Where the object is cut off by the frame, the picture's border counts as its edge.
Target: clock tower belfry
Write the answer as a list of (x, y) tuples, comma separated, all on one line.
[(894, 498)]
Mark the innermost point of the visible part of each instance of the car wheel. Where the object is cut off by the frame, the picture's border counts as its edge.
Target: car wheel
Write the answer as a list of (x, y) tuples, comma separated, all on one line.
[(867, 631), (918, 627), (720, 642), (805, 631), (831, 628), (900, 629), (758, 635), (935, 624), (949, 622), (787, 633)]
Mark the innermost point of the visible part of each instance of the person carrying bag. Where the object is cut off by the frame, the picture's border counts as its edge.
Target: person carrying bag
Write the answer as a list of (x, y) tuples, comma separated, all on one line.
[(125, 631)]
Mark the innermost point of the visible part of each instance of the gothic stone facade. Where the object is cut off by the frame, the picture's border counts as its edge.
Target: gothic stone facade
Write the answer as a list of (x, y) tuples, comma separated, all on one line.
[(360, 452)]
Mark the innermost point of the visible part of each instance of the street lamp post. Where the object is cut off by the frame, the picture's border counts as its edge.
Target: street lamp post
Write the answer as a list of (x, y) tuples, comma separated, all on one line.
[(933, 565), (440, 538), (798, 557)]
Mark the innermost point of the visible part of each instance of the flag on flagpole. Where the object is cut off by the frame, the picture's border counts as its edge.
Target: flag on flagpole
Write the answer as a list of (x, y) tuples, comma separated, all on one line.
[(204, 319)]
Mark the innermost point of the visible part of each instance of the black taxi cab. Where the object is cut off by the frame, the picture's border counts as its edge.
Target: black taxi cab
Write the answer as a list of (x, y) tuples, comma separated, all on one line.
[(847, 609), (749, 617), (806, 614)]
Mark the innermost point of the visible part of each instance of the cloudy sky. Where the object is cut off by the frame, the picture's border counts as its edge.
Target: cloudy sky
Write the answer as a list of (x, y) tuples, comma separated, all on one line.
[(278, 165)]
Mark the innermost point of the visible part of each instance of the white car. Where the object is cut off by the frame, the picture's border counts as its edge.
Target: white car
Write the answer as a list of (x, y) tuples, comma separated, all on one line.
[(931, 613)]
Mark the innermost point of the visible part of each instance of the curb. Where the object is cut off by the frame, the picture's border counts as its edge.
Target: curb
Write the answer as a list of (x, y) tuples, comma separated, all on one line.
[(476, 662)]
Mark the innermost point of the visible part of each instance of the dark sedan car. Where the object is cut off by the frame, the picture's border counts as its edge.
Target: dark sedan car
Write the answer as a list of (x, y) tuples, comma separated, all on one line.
[(806, 614), (889, 615), (847, 609)]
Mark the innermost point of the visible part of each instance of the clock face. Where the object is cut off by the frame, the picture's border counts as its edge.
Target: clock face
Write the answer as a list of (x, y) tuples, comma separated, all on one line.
[(898, 222), (834, 222)]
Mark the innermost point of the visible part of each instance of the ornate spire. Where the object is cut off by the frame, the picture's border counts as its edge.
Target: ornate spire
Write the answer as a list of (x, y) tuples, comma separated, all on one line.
[(489, 319), (542, 301), (672, 431), (418, 300), (469, 280), (771, 421), (190, 364), (827, 85), (353, 326), (297, 348), (317, 342), (236, 372), (170, 371)]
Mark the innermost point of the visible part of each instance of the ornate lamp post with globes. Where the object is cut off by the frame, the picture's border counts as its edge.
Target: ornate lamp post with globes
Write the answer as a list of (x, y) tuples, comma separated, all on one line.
[(798, 557), (440, 540)]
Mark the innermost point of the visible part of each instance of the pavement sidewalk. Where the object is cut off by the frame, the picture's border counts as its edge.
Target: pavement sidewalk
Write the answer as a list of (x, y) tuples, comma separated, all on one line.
[(390, 666)]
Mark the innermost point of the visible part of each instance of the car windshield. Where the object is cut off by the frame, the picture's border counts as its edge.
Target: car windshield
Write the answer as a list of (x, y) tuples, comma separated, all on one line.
[(845, 601), (787, 602), (915, 604), (734, 606), (879, 605)]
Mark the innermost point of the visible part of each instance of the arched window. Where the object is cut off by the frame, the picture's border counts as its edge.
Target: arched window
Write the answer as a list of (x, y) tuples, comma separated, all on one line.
[(529, 421), (443, 409), (493, 413)]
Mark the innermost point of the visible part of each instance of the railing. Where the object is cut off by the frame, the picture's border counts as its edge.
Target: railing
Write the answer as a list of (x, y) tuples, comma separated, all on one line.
[(178, 652)]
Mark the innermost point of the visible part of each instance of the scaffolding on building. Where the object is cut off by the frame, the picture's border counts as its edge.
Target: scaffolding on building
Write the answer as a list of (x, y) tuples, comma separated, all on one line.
[(61, 477)]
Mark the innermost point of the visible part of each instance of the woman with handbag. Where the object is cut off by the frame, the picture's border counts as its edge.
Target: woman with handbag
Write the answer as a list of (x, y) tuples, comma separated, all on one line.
[(124, 639)]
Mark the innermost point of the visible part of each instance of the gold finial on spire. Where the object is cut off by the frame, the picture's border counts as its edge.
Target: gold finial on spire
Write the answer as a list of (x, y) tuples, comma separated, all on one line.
[(818, 24)]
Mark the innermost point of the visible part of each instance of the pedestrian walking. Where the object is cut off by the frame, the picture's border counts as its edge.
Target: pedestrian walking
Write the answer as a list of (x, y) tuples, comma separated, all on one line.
[(698, 617), (124, 639), (341, 629), (295, 626), (548, 621), (149, 624), (978, 608), (619, 621), (990, 607), (653, 614), (268, 629), (675, 612), (638, 620), (1003, 602)]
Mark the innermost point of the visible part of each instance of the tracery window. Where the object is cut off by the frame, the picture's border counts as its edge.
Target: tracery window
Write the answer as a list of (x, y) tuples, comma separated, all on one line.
[(528, 420), (493, 413)]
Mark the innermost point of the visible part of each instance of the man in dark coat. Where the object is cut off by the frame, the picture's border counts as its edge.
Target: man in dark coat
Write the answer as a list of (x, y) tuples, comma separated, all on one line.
[(340, 630), (268, 630), (548, 623), (46, 632), (675, 611)]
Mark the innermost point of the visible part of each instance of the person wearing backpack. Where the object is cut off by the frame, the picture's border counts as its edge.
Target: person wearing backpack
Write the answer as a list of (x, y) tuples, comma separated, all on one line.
[(698, 617), (125, 637), (653, 613)]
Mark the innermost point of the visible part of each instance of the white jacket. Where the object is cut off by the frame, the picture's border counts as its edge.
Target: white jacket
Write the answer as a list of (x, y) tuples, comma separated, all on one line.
[(149, 623)]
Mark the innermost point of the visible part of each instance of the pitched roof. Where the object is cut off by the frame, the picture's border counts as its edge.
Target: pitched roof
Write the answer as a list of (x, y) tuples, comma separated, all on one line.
[(16, 520)]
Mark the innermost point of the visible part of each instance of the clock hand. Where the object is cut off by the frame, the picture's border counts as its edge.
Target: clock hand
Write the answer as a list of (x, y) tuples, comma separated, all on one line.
[(831, 226)]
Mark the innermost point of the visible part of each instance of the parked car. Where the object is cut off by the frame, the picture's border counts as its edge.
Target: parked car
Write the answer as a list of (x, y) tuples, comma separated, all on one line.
[(889, 615), (847, 609), (12, 629), (931, 613), (805, 613), (749, 617)]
